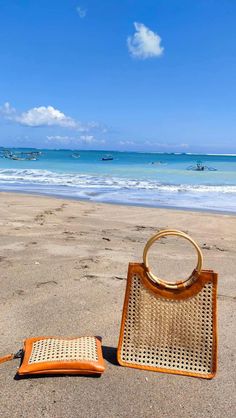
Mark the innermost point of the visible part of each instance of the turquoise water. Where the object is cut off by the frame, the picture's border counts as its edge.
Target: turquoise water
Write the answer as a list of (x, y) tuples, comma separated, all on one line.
[(130, 178)]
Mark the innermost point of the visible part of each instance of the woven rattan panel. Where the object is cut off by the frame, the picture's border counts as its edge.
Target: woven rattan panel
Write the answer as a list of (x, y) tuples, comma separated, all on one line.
[(169, 334), (52, 349)]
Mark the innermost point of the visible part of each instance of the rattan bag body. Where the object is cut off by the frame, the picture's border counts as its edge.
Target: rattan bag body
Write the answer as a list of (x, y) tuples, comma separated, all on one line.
[(57, 355), (169, 327)]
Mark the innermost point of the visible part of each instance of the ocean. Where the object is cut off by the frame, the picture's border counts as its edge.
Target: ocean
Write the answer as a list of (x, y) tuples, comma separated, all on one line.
[(149, 179)]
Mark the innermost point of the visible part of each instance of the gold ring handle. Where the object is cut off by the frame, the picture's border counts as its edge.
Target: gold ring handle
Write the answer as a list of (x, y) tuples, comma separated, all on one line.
[(171, 285)]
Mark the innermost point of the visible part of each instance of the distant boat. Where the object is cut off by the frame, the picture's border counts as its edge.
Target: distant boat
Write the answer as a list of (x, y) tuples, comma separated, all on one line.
[(200, 167), (75, 155), (107, 158), (157, 162), (6, 153), (16, 158), (21, 155)]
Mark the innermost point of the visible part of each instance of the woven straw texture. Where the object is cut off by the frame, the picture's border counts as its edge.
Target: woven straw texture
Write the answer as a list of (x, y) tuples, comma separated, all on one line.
[(167, 334), (53, 349)]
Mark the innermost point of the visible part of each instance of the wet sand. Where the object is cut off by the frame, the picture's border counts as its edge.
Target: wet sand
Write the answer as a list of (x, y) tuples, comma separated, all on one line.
[(63, 271)]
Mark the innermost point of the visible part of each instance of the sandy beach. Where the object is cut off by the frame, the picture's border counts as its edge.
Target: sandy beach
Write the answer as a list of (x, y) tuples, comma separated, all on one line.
[(63, 272)]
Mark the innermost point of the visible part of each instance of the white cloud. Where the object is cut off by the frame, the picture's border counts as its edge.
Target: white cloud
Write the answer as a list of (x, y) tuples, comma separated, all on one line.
[(7, 110), (88, 139), (172, 146), (41, 116), (81, 12), (144, 43), (74, 140), (154, 143), (45, 116), (63, 138), (126, 142)]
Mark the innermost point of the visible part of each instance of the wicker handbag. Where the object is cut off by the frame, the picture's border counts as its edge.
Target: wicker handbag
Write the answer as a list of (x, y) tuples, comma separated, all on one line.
[(56, 356), (169, 327)]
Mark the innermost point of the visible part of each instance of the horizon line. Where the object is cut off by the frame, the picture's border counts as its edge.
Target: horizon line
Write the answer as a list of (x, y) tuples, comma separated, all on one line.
[(127, 151)]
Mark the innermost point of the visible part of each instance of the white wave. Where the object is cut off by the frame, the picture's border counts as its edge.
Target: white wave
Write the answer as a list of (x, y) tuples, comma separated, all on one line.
[(80, 181), (223, 155), (216, 155)]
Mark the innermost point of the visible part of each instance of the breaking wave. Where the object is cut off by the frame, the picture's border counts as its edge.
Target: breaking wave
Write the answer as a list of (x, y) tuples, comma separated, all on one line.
[(45, 177), (119, 190)]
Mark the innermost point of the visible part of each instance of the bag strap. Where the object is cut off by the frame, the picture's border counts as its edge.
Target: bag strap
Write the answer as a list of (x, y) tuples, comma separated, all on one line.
[(180, 284), (6, 358), (10, 357)]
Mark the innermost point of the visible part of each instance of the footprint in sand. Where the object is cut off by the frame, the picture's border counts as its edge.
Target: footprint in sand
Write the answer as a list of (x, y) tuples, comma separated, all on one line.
[(31, 243), (131, 239), (85, 263), (50, 282), (19, 292), (119, 278), (71, 218), (41, 217), (69, 235), (83, 267), (212, 247), (87, 277), (63, 206), (14, 246), (149, 228), (89, 260)]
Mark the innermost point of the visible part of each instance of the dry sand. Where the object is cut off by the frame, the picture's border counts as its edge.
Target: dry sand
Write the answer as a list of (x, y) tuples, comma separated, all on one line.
[(63, 272)]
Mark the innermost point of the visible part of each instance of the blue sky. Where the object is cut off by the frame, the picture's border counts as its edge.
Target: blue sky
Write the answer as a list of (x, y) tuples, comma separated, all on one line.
[(154, 75)]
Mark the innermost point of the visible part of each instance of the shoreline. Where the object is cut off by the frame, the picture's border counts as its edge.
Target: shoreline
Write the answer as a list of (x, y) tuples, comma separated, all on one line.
[(132, 180), (79, 199)]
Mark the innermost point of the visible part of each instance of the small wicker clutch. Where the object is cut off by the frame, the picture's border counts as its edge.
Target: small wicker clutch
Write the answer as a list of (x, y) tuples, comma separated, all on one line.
[(169, 327), (56, 355)]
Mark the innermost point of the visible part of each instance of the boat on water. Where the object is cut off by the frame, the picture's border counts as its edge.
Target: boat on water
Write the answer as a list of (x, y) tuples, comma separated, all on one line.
[(107, 157), (75, 155), (157, 162), (16, 158), (6, 153), (20, 155), (199, 166)]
